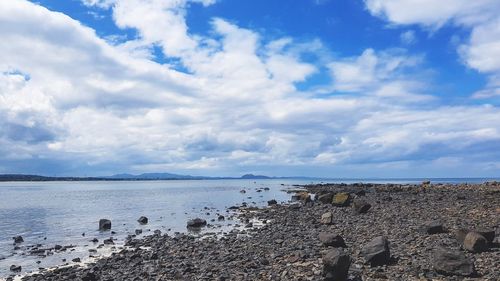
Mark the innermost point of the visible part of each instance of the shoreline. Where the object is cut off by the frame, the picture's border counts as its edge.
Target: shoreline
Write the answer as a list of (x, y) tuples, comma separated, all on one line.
[(288, 247)]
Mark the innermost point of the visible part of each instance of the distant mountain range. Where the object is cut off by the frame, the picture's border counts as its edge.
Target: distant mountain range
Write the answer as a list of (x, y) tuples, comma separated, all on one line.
[(122, 177)]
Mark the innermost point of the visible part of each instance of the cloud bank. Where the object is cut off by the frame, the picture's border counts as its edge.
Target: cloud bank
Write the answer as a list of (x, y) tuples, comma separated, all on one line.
[(229, 102)]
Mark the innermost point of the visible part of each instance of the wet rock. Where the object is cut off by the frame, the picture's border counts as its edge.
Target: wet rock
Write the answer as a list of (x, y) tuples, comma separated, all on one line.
[(433, 227), (331, 239), (76, 260), (376, 252), (196, 223), (95, 240), (243, 191), (326, 198), (57, 247), (108, 241), (475, 242), (15, 268), (361, 206), (272, 202), (18, 239), (451, 262), (326, 218), (143, 220), (138, 231), (336, 265), (104, 224), (221, 218), (341, 199)]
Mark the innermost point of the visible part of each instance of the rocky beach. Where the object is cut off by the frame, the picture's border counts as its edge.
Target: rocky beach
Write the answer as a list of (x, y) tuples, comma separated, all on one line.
[(328, 232)]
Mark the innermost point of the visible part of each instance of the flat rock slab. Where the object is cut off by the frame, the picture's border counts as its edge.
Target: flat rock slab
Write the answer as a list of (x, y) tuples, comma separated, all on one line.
[(451, 262)]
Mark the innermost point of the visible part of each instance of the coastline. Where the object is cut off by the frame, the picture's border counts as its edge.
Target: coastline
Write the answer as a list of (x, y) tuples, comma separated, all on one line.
[(288, 247)]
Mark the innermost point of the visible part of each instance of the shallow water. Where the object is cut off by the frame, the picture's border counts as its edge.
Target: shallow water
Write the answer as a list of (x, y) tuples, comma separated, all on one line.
[(51, 213)]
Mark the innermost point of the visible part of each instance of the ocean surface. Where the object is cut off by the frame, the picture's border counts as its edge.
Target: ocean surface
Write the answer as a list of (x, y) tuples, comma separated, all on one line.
[(67, 213)]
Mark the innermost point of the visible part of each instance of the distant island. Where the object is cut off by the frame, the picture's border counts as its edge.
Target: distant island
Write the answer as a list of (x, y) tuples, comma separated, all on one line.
[(125, 177)]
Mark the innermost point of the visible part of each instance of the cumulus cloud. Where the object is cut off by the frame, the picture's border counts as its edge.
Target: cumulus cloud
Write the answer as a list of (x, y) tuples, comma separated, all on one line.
[(481, 52), (80, 103)]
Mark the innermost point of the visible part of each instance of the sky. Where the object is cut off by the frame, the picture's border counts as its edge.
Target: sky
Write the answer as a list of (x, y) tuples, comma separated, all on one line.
[(321, 88)]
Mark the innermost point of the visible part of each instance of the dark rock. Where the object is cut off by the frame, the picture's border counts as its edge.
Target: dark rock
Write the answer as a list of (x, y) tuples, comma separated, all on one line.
[(15, 268), (450, 262), (475, 242), (89, 276), (76, 260), (104, 224), (143, 220), (272, 202), (326, 198), (341, 199), (95, 240), (57, 247), (336, 265), (487, 233), (108, 241), (138, 231), (243, 191), (331, 239), (196, 223), (221, 218), (433, 227), (360, 193), (376, 252), (361, 206), (18, 239)]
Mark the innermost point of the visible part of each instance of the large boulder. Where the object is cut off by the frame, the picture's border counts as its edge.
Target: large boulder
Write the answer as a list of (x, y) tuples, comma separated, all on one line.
[(327, 218), (331, 239), (433, 227), (336, 265), (197, 223), (451, 262), (104, 224), (143, 220), (361, 206), (475, 242), (341, 199), (376, 252), (325, 198)]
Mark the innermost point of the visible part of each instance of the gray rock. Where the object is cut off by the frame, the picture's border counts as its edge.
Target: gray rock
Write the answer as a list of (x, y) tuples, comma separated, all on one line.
[(138, 231), (376, 252), (451, 262), (326, 218), (361, 206), (18, 239), (15, 268), (326, 198), (336, 265), (143, 220), (475, 242), (331, 239), (196, 223), (433, 227), (104, 224)]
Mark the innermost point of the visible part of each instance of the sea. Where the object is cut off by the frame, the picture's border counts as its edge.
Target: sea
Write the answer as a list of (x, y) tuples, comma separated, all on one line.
[(46, 214)]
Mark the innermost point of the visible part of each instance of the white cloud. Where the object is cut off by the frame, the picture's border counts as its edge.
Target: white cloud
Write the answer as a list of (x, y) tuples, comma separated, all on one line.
[(481, 52), (68, 96), (408, 37)]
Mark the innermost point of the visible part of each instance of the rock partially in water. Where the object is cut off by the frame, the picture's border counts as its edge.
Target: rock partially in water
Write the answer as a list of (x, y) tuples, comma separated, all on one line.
[(451, 262), (143, 220), (18, 239), (376, 252), (196, 223), (138, 231), (15, 268), (272, 202), (336, 265), (104, 224)]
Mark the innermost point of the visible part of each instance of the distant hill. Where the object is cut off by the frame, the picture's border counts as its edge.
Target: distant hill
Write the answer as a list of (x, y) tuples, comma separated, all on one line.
[(254, 177), (156, 176)]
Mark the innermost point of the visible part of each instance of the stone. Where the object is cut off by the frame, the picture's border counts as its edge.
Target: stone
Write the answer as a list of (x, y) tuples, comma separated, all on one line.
[(138, 231), (76, 260), (376, 252), (326, 198), (104, 224), (331, 239), (336, 265), (451, 262), (433, 227), (221, 218), (487, 233), (475, 242), (243, 191), (108, 241), (341, 199), (143, 220), (89, 276), (18, 239), (326, 218), (272, 202), (196, 223), (302, 196), (15, 268), (361, 206)]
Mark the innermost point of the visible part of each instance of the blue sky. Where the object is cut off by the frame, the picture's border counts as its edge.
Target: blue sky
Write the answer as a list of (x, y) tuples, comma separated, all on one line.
[(373, 88)]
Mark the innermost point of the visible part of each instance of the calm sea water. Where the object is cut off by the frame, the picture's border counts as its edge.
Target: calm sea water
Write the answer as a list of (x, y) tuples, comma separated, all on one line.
[(50, 213)]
